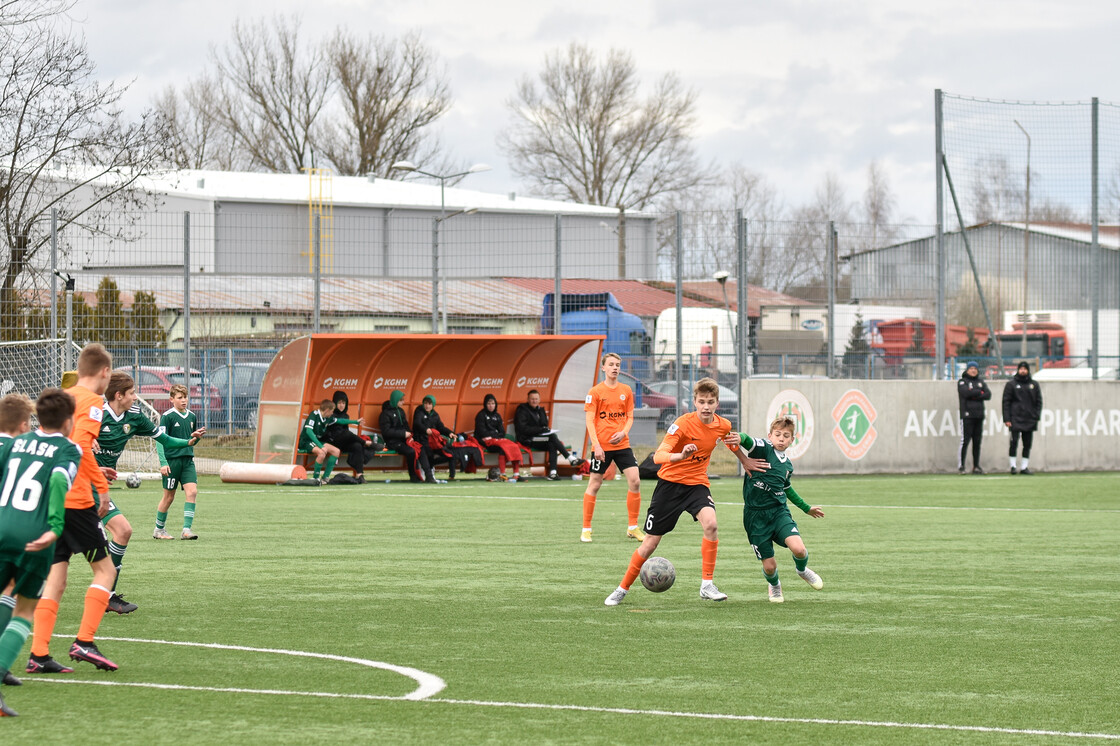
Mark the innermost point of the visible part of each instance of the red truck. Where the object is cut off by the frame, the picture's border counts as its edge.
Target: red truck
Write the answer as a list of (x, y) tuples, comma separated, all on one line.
[(1046, 341), (896, 338)]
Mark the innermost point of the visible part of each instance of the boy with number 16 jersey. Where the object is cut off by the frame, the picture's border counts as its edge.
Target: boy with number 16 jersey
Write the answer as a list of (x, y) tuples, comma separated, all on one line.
[(36, 471)]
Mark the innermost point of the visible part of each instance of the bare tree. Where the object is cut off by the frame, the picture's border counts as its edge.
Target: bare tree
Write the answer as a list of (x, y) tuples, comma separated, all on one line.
[(585, 136), (64, 146), (197, 139), (389, 93), (271, 91), (25, 12), (878, 208), (997, 193)]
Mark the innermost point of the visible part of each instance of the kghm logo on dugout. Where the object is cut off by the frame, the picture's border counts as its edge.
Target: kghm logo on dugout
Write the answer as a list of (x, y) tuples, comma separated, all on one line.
[(855, 431)]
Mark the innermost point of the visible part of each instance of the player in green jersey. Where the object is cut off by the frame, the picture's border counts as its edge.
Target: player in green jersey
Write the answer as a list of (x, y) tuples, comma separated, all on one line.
[(121, 421), (766, 514), (311, 438), (177, 463), (38, 468), (15, 419)]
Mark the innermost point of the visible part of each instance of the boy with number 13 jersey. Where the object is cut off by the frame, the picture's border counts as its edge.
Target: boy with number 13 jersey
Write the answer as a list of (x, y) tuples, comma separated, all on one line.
[(609, 415)]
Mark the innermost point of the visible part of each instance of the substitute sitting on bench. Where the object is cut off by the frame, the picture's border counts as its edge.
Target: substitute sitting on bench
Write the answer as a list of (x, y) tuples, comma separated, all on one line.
[(530, 423)]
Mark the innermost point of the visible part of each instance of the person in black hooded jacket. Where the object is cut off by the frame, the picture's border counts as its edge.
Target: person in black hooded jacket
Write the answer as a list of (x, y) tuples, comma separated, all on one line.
[(393, 423), (1022, 407), (346, 440), (972, 392), (426, 422)]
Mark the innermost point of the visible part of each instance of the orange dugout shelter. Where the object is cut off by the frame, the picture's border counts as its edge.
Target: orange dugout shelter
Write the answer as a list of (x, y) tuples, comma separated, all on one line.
[(458, 370)]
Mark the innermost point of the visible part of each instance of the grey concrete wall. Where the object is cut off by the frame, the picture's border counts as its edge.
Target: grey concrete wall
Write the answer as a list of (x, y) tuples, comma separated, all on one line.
[(864, 427)]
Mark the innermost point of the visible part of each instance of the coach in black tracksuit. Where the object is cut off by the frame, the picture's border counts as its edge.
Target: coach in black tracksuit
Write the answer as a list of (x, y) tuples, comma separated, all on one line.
[(530, 423), (972, 393), (1022, 407), (393, 424)]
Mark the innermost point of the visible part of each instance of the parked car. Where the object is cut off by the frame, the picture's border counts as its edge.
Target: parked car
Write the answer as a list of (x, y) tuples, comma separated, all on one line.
[(242, 383), (644, 396), (154, 382), (728, 399)]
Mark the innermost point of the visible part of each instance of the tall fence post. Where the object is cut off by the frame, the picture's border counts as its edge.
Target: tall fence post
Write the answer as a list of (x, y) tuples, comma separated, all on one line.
[(742, 318), (679, 299), (56, 375), (68, 357), (435, 275), (1098, 262), (831, 327), (317, 263), (557, 281), (187, 297), (942, 268)]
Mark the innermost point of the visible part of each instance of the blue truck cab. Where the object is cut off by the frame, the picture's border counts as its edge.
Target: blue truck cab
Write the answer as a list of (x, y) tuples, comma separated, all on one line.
[(601, 313)]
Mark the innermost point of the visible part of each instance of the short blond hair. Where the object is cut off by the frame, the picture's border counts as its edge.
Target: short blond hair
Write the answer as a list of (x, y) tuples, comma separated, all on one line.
[(707, 386), (615, 355), (15, 409), (783, 422), (178, 388)]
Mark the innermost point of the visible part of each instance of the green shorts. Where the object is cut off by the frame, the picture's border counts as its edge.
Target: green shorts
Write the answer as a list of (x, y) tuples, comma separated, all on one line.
[(182, 472), (765, 528), (114, 511), (29, 569)]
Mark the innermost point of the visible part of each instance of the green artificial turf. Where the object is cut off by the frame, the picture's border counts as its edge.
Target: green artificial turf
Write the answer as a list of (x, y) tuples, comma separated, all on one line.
[(987, 602)]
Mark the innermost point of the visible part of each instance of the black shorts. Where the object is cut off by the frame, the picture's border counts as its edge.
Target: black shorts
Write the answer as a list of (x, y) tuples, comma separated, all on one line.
[(622, 458), (670, 499), (81, 534)]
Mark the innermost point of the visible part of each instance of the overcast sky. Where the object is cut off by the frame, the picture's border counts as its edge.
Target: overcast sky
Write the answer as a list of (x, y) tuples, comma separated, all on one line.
[(790, 89)]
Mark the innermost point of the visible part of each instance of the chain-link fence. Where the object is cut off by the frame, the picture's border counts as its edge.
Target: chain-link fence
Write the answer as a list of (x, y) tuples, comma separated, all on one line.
[(205, 290)]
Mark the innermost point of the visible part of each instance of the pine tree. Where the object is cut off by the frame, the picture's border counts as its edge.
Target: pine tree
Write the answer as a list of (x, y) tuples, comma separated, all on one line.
[(147, 331), (111, 327), (856, 353)]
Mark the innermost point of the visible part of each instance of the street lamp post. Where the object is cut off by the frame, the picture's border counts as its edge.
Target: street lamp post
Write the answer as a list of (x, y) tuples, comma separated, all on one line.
[(1026, 246), (437, 266)]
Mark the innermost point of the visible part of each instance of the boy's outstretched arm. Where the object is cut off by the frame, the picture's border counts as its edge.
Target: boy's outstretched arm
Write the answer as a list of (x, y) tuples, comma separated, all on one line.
[(734, 442), (815, 511)]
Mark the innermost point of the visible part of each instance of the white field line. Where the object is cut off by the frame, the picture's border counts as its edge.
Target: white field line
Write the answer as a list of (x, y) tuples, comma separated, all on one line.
[(608, 710), (434, 494), (427, 684)]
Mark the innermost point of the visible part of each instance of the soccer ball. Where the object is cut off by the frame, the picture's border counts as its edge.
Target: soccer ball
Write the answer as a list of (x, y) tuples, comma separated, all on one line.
[(658, 574), (132, 480)]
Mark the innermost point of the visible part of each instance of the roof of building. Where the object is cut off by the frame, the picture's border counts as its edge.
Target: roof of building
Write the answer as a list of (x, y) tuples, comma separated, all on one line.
[(1108, 236), (757, 297), (353, 191), (510, 297)]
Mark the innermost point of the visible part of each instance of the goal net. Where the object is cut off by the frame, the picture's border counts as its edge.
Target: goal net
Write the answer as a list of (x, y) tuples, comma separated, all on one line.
[(29, 367)]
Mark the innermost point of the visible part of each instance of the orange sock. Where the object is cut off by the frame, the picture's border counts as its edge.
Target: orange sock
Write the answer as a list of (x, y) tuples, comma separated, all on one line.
[(46, 614), (97, 601), (588, 508), (708, 558), (633, 505), (636, 562)]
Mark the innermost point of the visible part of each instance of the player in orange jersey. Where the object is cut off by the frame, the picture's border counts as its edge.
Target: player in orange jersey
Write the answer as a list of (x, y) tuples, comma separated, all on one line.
[(682, 486), (609, 414), (86, 502)]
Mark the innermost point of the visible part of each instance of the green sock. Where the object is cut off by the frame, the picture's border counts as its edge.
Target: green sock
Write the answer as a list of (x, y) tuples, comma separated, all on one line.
[(116, 553), (318, 466), (801, 562), (7, 606), (188, 514), (11, 642), (771, 579), (330, 465), (161, 519)]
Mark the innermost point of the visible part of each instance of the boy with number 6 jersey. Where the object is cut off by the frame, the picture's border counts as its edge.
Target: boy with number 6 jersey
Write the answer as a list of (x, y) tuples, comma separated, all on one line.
[(766, 516), (682, 487), (36, 471), (609, 415)]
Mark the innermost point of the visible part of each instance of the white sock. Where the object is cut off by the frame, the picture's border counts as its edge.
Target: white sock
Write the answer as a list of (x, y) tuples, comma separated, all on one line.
[(1025, 462), (631, 528), (1012, 459)]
